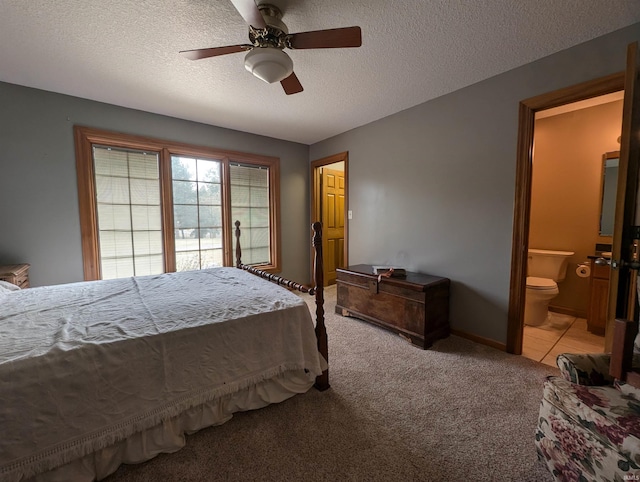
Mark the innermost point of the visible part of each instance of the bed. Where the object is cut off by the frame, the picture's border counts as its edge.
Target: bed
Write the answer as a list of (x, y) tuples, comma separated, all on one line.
[(100, 373)]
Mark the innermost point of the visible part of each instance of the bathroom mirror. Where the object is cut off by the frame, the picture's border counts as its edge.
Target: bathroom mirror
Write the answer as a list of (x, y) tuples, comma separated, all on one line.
[(609, 187)]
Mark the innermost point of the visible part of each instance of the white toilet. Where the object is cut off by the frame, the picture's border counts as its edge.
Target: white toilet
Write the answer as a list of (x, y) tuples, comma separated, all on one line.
[(544, 270)]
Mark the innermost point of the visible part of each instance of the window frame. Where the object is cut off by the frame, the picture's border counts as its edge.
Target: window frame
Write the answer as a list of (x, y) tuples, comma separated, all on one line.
[(86, 137)]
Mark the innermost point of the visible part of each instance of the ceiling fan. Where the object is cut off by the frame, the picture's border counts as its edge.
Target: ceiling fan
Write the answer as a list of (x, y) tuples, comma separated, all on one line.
[(269, 37)]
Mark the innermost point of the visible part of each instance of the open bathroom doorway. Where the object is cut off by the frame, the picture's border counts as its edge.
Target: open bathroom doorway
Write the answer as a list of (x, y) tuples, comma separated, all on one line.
[(573, 192), (528, 148)]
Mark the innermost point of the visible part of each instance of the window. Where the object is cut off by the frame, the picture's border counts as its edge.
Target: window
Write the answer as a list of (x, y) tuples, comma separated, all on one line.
[(149, 206), (128, 212), (197, 212), (250, 206)]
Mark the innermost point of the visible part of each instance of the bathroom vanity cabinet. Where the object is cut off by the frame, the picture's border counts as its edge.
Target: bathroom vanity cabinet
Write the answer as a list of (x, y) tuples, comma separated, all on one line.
[(598, 296)]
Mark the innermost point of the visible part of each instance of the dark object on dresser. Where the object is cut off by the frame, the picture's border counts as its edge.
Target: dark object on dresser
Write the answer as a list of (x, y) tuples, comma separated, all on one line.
[(416, 306)]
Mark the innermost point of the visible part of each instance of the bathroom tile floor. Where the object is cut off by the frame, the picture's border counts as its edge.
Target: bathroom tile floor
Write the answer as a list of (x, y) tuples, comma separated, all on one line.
[(561, 334)]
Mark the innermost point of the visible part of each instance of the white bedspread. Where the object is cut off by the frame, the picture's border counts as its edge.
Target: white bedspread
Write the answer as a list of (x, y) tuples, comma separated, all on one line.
[(87, 364)]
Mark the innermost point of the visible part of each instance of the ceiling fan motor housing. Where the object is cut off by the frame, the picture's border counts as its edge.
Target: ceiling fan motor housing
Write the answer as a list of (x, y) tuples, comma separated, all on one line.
[(273, 17), (274, 34), (266, 60)]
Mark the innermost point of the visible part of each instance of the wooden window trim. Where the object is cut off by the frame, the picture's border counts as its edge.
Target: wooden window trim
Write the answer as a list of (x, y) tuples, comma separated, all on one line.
[(85, 137)]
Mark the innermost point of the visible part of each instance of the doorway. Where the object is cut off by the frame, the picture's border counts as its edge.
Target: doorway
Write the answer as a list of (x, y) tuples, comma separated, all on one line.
[(329, 201), (524, 171), (573, 144)]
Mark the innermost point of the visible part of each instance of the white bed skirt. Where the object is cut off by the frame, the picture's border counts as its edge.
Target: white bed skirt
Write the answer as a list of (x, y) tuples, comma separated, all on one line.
[(169, 436)]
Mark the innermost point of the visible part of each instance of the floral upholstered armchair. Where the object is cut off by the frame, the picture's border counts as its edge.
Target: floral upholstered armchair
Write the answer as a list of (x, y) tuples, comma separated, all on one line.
[(589, 423)]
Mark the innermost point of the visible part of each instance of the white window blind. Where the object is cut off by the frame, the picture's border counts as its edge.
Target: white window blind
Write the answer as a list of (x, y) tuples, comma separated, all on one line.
[(128, 212), (250, 205)]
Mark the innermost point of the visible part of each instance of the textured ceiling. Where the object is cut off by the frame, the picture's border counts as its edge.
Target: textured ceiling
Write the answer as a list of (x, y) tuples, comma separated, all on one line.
[(125, 52)]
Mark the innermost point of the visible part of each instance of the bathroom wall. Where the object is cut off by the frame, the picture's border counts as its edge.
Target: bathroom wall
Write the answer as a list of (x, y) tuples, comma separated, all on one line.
[(566, 189)]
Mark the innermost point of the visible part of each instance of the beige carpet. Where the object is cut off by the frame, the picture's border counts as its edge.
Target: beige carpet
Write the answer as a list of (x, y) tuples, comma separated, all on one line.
[(459, 411)]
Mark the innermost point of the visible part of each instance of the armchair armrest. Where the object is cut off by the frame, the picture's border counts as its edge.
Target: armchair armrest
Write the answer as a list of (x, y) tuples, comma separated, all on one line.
[(585, 369)]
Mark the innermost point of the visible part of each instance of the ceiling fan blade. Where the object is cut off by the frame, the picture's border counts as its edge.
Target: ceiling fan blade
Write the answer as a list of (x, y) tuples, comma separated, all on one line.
[(291, 84), (327, 39), (249, 11), (198, 54)]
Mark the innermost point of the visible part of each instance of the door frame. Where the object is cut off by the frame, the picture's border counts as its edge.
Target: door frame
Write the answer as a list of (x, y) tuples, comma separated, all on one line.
[(522, 204), (316, 194)]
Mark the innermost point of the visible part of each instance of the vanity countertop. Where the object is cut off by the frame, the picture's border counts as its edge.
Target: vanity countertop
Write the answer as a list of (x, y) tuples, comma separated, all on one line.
[(600, 254)]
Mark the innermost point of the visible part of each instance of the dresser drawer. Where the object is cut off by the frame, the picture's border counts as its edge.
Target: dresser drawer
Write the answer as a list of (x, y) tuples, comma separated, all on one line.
[(22, 281)]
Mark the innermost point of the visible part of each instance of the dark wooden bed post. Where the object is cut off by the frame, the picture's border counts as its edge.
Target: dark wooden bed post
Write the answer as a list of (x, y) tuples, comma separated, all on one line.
[(322, 381), (238, 250)]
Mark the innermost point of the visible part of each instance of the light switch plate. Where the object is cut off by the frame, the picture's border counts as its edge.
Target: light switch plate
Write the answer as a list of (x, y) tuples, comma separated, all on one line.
[(350, 214)]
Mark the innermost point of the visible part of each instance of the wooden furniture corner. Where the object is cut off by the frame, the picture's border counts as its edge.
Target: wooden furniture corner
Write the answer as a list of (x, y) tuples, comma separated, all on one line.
[(17, 274), (621, 365)]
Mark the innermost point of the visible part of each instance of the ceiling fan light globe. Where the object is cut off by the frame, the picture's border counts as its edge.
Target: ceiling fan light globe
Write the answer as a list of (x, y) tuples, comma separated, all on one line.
[(269, 64)]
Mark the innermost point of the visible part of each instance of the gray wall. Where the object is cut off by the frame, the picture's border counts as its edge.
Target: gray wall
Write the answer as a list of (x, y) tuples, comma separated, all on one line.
[(432, 188), (39, 217)]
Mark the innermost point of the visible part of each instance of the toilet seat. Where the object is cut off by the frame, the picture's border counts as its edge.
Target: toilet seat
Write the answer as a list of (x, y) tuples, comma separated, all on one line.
[(542, 284)]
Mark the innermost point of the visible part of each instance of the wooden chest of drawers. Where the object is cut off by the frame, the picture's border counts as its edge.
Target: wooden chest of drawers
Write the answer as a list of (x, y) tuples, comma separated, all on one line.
[(17, 274), (415, 307)]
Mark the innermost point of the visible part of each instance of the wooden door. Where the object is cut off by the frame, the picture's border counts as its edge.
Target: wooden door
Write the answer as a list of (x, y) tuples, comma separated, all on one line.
[(332, 207), (627, 219)]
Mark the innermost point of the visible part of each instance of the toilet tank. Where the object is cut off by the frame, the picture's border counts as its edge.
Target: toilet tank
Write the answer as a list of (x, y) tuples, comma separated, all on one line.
[(543, 263)]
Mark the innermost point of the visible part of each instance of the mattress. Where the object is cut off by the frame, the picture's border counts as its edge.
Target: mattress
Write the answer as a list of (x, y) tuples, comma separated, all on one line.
[(84, 366)]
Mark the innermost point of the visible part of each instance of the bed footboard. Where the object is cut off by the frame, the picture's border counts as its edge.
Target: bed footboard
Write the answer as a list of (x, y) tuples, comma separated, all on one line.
[(322, 381)]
